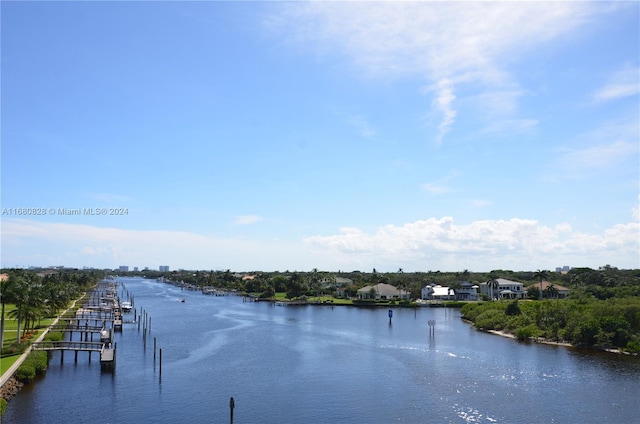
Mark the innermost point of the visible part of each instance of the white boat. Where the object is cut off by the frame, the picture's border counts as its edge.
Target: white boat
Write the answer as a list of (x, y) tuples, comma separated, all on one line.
[(126, 306)]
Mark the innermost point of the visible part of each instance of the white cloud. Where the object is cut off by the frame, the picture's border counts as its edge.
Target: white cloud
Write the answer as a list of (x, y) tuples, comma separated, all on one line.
[(518, 244), (446, 43), (26, 242), (483, 245), (623, 83), (443, 101)]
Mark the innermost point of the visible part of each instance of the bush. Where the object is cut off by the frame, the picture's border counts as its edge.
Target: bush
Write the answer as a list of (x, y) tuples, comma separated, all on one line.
[(525, 333), (26, 372), (54, 336), (3, 406), (513, 308), (39, 361), (14, 349), (493, 319), (633, 346), (34, 364)]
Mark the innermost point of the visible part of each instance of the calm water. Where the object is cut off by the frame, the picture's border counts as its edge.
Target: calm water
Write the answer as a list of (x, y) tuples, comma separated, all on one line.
[(324, 364)]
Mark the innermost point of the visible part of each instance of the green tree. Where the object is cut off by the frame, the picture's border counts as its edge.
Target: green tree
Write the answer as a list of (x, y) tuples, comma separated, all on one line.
[(493, 284), (552, 291), (8, 292), (541, 276), (513, 308)]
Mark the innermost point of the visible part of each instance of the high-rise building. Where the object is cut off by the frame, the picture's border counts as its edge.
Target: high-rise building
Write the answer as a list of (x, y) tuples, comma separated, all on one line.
[(123, 268), (164, 268)]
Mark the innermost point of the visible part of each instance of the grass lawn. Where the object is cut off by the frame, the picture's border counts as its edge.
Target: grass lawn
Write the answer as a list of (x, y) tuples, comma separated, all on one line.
[(11, 331), (280, 296), (329, 299), (6, 362)]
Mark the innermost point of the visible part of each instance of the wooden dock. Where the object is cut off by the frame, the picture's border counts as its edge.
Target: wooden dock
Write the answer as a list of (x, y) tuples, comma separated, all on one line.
[(101, 315), (106, 350), (68, 345)]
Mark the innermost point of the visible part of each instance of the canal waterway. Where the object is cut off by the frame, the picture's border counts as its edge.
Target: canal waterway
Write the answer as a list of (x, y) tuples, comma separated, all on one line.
[(323, 364)]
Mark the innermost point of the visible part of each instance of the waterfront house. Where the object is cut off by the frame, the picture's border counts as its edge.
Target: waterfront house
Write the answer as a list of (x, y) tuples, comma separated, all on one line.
[(506, 289), (560, 292), (437, 292), (382, 291), (467, 291)]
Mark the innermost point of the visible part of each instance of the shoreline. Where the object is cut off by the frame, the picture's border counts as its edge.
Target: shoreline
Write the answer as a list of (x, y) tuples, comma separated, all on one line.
[(551, 343), (535, 340)]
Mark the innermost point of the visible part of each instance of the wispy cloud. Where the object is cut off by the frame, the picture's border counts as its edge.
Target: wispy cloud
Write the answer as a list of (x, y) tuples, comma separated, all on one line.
[(445, 43), (362, 125), (435, 188), (441, 185), (26, 242), (444, 103), (480, 203), (623, 83), (600, 156), (248, 219), (599, 150)]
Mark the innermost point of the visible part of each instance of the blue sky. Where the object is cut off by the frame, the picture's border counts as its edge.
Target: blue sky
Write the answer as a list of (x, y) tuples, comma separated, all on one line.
[(330, 135)]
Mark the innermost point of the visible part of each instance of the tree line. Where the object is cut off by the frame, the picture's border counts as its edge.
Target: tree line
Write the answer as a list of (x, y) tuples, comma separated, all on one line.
[(613, 323), (35, 296), (603, 283)]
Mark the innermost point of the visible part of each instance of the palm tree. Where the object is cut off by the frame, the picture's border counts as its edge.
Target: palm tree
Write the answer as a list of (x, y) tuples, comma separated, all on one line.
[(541, 276), (7, 295), (552, 291), (493, 283)]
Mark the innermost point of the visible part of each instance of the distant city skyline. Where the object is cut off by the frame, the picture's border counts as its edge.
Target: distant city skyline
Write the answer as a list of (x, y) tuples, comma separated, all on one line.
[(331, 135)]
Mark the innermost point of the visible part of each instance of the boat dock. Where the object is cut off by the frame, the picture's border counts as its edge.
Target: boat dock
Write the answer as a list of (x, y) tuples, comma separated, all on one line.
[(101, 315)]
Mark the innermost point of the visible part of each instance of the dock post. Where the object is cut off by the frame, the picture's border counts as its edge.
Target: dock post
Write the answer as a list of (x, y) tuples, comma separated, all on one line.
[(154, 349), (160, 362), (232, 404)]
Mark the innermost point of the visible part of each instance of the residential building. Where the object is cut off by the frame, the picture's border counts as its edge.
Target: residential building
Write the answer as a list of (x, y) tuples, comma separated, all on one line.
[(560, 291), (437, 292), (467, 291), (123, 268), (164, 268), (506, 289), (382, 291)]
